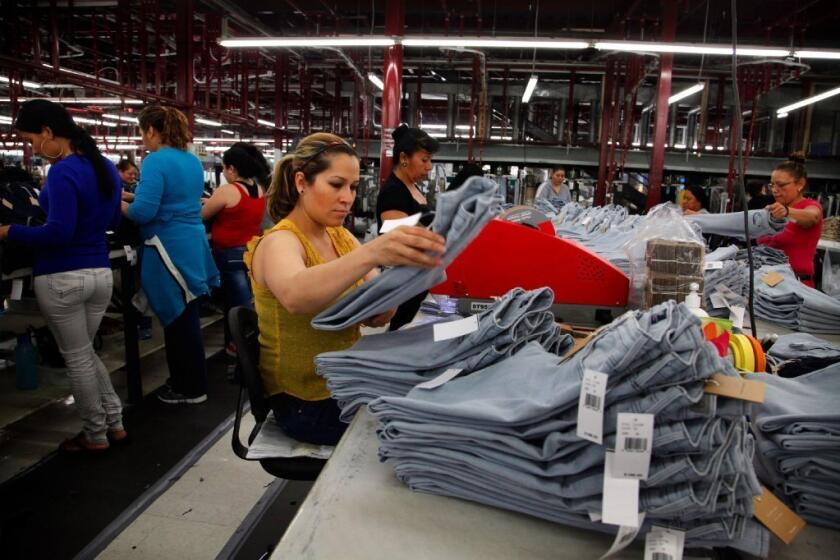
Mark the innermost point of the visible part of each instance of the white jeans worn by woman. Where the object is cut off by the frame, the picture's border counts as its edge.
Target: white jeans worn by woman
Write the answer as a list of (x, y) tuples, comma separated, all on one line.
[(73, 304)]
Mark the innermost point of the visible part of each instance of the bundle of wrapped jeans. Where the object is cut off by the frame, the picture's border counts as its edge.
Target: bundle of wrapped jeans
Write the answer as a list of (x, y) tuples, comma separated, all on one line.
[(797, 431), (392, 363), (506, 435), (792, 304), (459, 217)]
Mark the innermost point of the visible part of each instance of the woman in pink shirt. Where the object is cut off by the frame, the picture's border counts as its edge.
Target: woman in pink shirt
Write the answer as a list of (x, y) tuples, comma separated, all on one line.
[(799, 238)]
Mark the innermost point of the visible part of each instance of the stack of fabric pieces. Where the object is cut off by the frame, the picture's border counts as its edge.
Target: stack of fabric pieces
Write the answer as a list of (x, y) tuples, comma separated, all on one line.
[(797, 429), (763, 256), (796, 354), (392, 363), (792, 304), (831, 228), (460, 215), (506, 435)]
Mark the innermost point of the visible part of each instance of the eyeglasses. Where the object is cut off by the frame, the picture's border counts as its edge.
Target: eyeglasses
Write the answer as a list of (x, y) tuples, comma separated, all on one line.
[(778, 186)]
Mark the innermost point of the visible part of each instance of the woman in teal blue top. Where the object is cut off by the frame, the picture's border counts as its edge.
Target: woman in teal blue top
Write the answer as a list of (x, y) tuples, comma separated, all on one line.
[(176, 267)]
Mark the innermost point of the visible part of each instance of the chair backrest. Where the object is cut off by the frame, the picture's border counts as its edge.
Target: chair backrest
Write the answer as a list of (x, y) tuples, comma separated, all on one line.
[(245, 332)]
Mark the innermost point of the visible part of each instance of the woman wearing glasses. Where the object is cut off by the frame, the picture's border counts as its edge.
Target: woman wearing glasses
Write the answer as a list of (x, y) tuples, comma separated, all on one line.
[(799, 238)]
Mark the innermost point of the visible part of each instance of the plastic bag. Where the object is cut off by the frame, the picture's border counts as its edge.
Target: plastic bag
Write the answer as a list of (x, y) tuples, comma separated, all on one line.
[(666, 256), (830, 276)]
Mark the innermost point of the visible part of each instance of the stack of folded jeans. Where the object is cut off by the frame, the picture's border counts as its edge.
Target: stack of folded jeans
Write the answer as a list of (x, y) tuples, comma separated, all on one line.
[(459, 217), (796, 354), (792, 304), (392, 363), (797, 431), (732, 277), (549, 206), (506, 435), (763, 256), (732, 224)]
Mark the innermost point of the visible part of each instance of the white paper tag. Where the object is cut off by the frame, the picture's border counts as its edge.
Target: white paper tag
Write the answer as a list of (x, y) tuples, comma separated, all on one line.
[(624, 537), (633, 444), (454, 329), (664, 544), (736, 315), (590, 420), (713, 265), (595, 516), (620, 504), (130, 255), (444, 377), (718, 301), (388, 225), (17, 289)]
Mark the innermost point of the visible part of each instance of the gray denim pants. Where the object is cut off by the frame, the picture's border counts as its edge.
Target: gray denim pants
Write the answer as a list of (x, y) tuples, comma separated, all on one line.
[(73, 304)]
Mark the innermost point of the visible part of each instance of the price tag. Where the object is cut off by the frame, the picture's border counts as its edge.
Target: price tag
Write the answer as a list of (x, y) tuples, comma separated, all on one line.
[(454, 329), (633, 445), (664, 544), (444, 377), (713, 265), (590, 420), (620, 503), (736, 388), (772, 278), (388, 225), (736, 315), (776, 516), (624, 537), (717, 300), (17, 289)]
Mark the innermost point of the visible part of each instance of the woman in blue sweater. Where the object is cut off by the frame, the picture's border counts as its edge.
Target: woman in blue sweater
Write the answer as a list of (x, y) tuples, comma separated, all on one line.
[(73, 278), (176, 267)]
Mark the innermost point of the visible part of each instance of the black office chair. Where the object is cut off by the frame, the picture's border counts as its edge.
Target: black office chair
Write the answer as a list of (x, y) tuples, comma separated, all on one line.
[(245, 333)]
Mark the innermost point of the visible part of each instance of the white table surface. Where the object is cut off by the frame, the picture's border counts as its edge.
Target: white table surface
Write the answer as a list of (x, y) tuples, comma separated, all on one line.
[(357, 509)]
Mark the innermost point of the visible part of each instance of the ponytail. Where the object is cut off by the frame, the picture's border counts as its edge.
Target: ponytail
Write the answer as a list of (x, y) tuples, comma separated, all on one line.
[(249, 163), (83, 144), (171, 124), (311, 157)]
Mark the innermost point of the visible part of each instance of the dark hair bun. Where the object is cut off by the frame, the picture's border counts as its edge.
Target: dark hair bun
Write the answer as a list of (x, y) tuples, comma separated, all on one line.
[(797, 157), (400, 132)]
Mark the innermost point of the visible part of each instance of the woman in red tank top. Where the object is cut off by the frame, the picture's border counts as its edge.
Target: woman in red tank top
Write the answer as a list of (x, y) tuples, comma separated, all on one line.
[(238, 208), (799, 238)]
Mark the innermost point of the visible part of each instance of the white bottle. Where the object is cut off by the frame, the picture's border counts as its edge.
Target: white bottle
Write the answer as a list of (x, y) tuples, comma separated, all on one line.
[(692, 300)]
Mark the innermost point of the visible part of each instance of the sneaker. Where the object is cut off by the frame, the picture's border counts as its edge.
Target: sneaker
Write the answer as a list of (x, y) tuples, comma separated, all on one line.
[(230, 349), (169, 396)]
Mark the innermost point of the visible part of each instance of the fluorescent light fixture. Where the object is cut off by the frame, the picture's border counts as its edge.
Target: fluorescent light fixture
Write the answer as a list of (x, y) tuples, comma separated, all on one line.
[(686, 93), (5, 120), (529, 89), (825, 54), (435, 74), (376, 80), (687, 48), (25, 83), (493, 43), (80, 100), (433, 126), (781, 115), (226, 131), (83, 120), (809, 101), (266, 123), (208, 122), (291, 42), (121, 118)]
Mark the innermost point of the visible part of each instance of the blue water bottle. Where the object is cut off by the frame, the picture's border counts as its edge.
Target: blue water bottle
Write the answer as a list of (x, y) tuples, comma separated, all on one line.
[(26, 363)]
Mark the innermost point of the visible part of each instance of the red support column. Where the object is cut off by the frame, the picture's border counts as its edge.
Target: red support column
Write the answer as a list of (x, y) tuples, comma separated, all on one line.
[(606, 126), (392, 78), (666, 65), (184, 15)]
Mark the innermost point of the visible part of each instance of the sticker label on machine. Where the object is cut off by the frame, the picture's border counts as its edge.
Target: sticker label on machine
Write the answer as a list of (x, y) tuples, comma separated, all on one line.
[(633, 445), (590, 420)]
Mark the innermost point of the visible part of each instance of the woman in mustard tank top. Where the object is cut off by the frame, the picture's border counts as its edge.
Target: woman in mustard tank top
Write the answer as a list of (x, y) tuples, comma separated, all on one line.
[(306, 262)]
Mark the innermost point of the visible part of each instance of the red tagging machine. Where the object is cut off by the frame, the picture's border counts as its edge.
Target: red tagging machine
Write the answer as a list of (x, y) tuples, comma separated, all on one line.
[(521, 249)]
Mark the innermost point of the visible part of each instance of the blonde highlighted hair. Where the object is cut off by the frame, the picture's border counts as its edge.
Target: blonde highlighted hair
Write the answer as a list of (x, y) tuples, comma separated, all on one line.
[(172, 124), (311, 157)]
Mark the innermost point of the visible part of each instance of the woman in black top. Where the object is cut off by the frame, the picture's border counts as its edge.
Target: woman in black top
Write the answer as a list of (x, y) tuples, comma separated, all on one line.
[(399, 196)]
